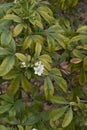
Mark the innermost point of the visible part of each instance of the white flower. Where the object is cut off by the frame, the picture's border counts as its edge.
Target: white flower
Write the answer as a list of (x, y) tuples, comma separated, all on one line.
[(34, 129), (39, 68), (23, 64)]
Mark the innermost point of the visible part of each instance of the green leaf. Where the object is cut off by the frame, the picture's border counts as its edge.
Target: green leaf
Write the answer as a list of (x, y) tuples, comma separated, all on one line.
[(14, 85), (48, 88), (20, 127), (3, 51), (2, 127), (25, 84), (61, 83), (78, 38), (39, 24), (7, 65), (33, 118), (46, 57), (58, 100), (82, 78), (55, 71), (6, 38), (82, 29), (18, 29), (46, 16), (38, 49), (21, 57), (27, 43), (7, 98), (11, 75), (58, 113), (5, 108), (78, 54), (12, 46), (68, 118), (85, 63), (76, 60), (13, 17)]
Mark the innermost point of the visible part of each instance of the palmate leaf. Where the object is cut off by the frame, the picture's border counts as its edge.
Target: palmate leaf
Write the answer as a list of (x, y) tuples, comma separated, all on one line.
[(7, 65), (48, 88)]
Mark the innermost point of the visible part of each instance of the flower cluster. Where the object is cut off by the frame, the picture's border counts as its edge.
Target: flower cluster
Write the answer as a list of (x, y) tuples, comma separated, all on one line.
[(39, 68)]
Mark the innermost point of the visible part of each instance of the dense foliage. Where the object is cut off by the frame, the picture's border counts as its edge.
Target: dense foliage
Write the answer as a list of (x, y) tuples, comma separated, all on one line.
[(45, 62)]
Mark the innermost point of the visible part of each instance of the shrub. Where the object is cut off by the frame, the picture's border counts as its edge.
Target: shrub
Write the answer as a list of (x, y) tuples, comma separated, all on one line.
[(45, 64)]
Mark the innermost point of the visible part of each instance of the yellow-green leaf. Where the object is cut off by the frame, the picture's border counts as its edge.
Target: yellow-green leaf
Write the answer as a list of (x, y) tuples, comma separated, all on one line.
[(3, 51), (20, 127), (21, 57), (68, 118), (13, 17), (7, 65), (27, 43), (6, 38), (85, 63), (82, 78), (18, 29), (58, 113), (38, 49), (58, 100), (25, 84), (48, 88), (14, 85), (61, 83)]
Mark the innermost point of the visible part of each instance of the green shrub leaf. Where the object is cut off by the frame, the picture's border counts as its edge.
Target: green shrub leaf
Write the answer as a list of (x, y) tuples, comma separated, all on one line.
[(7, 65), (68, 118), (48, 88)]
